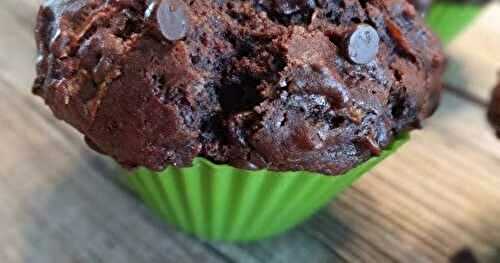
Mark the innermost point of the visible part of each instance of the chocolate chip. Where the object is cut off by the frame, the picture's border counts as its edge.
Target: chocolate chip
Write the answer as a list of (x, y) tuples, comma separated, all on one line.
[(363, 44), (494, 108), (464, 255), (172, 18)]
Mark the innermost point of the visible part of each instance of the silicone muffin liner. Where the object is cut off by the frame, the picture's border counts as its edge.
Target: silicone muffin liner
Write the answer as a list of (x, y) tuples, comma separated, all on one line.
[(448, 18), (220, 202)]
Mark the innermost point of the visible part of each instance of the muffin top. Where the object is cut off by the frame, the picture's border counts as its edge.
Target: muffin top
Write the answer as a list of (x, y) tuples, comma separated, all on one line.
[(494, 109), (279, 84)]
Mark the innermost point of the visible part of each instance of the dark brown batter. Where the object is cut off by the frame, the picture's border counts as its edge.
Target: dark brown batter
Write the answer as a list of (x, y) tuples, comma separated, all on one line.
[(286, 84)]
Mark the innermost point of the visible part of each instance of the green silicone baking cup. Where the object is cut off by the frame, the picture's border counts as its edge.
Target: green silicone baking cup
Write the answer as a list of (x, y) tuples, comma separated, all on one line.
[(220, 202), (447, 18)]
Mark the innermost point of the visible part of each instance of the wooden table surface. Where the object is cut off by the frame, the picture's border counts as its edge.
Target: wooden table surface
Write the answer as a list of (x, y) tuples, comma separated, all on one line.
[(438, 195)]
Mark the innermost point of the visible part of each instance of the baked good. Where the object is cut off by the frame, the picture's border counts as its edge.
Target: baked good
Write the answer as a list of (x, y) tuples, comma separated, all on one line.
[(285, 85)]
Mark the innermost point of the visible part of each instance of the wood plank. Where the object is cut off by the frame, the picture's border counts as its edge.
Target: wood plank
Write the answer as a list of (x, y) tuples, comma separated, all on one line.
[(17, 59), (24, 11), (475, 56)]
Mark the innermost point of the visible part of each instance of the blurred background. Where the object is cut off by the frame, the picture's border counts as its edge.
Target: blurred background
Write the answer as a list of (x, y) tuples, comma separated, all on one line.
[(437, 200)]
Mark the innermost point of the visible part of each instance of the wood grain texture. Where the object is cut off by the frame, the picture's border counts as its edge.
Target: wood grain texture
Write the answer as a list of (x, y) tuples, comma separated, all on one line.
[(476, 51), (440, 193)]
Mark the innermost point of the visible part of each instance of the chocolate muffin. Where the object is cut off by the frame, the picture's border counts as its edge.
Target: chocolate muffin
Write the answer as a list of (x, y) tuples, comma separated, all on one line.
[(285, 85), (494, 109)]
